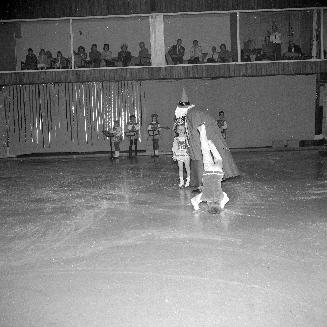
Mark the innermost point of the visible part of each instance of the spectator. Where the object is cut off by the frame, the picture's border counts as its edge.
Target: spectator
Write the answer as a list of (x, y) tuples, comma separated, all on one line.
[(267, 49), (276, 40), (80, 57), (50, 60), (60, 61), (124, 56), (106, 57), (95, 56), (176, 52), (144, 58), (195, 53), (213, 57), (293, 52), (248, 53), (30, 60), (224, 55), (42, 60)]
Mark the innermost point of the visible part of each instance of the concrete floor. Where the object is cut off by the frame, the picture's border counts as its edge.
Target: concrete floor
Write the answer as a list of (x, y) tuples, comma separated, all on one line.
[(87, 241)]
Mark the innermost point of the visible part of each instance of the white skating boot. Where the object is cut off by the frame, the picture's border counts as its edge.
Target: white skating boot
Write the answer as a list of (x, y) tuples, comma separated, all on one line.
[(224, 201), (196, 200), (181, 182), (116, 155), (187, 183)]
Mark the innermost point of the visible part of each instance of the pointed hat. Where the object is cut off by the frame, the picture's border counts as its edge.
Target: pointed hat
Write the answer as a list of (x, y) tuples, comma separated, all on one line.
[(184, 97), (183, 105)]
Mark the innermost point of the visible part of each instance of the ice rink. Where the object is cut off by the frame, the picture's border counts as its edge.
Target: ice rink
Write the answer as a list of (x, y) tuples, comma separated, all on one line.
[(88, 241)]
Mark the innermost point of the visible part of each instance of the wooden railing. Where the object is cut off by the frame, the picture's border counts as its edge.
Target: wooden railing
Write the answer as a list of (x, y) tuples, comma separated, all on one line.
[(300, 67)]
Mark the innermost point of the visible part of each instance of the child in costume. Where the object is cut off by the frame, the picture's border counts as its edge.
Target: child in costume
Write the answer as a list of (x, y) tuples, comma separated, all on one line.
[(117, 137), (212, 176), (222, 124), (181, 155), (133, 132), (154, 131)]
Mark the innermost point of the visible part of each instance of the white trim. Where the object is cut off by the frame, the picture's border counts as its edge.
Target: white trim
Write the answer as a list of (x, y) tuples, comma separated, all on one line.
[(322, 34), (71, 43), (239, 59)]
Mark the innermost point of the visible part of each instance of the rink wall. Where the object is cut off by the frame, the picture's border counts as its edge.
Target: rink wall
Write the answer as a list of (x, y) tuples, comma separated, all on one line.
[(259, 110), (70, 117)]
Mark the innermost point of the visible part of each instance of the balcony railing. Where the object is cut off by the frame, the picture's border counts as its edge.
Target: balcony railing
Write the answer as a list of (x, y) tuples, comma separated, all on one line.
[(253, 69)]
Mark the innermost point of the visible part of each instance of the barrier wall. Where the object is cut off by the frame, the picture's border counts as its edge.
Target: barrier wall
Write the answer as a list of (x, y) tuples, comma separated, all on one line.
[(70, 117)]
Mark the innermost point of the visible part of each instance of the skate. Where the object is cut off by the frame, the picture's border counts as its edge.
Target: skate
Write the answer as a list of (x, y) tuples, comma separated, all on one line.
[(195, 202), (224, 201)]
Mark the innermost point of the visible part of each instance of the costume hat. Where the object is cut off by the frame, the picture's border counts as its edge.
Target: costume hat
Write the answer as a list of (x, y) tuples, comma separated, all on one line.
[(183, 106), (184, 99)]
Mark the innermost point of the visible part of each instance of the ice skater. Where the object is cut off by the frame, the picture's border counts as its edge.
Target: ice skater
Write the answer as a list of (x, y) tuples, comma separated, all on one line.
[(133, 130), (212, 176), (154, 131), (222, 124), (117, 138), (180, 154)]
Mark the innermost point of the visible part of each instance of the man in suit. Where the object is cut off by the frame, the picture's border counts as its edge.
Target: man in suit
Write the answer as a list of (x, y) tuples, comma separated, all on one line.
[(176, 52), (293, 52)]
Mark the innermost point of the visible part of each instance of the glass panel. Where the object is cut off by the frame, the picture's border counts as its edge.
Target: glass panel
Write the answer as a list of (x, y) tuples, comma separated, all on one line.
[(43, 45), (213, 33), (278, 35), (106, 37)]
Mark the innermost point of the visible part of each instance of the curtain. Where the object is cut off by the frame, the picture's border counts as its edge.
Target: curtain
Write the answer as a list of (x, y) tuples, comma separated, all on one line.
[(65, 117)]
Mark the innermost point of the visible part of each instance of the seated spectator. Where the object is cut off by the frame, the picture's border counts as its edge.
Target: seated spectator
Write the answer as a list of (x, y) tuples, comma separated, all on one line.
[(176, 53), (80, 57), (213, 57), (124, 56), (224, 55), (195, 53), (60, 61), (50, 62), (144, 58), (276, 40), (267, 49), (106, 57), (248, 50), (42, 60), (293, 52), (95, 56), (30, 60)]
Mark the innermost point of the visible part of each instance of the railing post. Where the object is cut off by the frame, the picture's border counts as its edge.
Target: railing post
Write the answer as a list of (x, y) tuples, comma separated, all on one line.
[(71, 42), (322, 33), (238, 38), (157, 40)]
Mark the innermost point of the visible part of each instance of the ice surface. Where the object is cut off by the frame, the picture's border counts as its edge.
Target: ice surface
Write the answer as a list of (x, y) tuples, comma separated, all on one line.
[(88, 241)]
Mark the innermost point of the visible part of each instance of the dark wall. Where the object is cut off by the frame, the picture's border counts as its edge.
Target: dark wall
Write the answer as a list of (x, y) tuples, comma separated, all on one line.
[(25, 9)]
